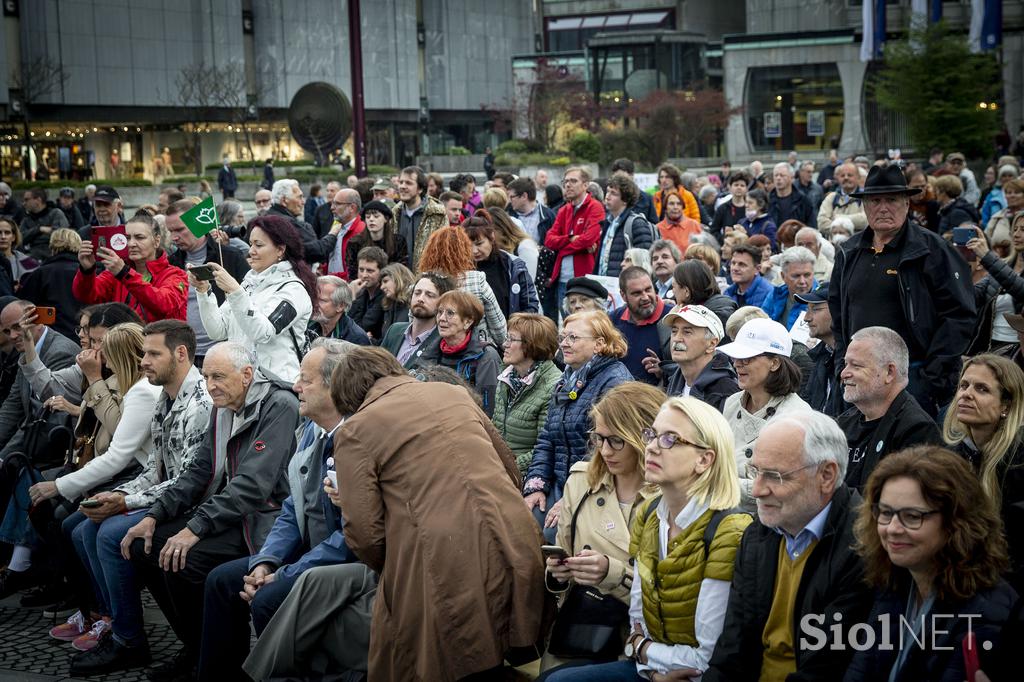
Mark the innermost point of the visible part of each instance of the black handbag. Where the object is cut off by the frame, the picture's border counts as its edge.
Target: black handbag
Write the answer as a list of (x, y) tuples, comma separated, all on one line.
[(545, 267), (590, 624), (47, 441)]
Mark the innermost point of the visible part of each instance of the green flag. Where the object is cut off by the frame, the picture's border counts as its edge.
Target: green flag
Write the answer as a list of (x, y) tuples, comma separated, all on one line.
[(201, 218)]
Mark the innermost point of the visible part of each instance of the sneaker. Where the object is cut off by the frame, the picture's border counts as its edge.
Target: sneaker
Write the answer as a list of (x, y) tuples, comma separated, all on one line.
[(76, 626), (109, 656), (15, 581), (88, 641)]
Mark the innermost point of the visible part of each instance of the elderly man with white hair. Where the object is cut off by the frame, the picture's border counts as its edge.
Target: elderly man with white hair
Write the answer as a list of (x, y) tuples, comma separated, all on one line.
[(288, 202), (797, 264), (884, 418), (785, 202), (796, 572), (811, 239)]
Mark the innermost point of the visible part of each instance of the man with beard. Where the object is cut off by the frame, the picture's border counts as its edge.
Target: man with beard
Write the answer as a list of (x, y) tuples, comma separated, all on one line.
[(665, 256), (701, 371), (649, 342), (884, 418), (417, 341), (331, 320), (417, 215)]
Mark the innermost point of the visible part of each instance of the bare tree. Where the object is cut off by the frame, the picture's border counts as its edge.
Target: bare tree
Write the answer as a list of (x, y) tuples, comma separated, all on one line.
[(36, 79)]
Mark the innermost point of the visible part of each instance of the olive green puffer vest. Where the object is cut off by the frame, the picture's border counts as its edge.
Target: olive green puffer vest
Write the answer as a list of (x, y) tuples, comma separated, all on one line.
[(671, 585)]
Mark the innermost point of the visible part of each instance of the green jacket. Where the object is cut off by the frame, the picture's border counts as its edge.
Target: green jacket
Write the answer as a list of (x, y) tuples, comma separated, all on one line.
[(521, 422)]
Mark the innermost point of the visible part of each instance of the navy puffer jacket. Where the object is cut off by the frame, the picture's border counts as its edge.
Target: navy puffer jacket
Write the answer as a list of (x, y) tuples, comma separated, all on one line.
[(563, 442)]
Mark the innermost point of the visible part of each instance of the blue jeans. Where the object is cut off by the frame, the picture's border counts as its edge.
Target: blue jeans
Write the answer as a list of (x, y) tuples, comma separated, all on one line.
[(101, 544), (549, 533), (619, 671), (75, 528)]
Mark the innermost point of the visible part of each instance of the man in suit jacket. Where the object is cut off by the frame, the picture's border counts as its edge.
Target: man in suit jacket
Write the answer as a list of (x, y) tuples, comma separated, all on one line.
[(56, 352)]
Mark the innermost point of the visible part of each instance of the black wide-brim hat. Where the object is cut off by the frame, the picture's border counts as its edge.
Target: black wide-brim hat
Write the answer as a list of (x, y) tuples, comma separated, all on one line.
[(887, 179)]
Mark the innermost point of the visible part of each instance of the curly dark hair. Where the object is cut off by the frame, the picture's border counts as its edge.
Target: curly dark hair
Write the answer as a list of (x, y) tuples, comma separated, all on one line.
[(974, 555), (624, 185), (281, 232)]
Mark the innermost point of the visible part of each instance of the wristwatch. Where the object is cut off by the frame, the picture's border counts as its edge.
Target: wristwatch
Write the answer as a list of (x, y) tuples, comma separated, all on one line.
[(633, 650)]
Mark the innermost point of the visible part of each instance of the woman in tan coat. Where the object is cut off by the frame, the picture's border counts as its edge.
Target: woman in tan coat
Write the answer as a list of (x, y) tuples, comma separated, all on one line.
[(430, 501)]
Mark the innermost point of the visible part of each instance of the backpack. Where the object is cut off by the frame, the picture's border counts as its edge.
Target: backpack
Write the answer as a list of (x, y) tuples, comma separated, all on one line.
[(627, 230)]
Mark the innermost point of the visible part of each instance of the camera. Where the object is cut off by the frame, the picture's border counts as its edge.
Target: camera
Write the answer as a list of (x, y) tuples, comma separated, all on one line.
[(234, 231)]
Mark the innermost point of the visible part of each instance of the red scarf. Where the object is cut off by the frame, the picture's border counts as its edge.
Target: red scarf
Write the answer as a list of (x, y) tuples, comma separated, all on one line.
[(448, 349)]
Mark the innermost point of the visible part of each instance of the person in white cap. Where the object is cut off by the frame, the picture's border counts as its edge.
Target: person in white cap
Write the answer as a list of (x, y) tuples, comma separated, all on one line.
[(769, 381), (700, 370)]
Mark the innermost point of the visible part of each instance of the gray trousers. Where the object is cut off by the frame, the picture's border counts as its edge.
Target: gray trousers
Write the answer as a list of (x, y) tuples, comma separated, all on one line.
[(322, 629)]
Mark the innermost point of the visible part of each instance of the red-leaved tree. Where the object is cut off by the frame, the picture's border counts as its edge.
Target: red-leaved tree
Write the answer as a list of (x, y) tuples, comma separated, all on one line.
[(679, 122)]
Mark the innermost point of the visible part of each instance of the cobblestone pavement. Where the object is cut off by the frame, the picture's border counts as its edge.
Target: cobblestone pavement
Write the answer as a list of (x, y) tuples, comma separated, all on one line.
[(29, 654)]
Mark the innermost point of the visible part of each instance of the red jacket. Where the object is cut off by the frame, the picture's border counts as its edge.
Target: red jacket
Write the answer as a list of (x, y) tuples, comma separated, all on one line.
[(164, 297), (584, 224)]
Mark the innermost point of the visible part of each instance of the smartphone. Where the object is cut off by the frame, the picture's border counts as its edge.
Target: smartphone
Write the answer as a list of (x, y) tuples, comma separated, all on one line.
[(971, 662), (46, 315), (111, 237), (333, 476), (203, 272), (554, 551), (962, 235), (90, 504)]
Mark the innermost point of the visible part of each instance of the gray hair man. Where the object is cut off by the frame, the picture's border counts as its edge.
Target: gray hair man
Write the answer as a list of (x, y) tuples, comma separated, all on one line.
[(785, 202), (841, 202), (665, 256), (797, 265), (811, 239), (287, 201), (808, 187), (795, 569), (334, 299), (884, 418), (700, 371), (345, 207), (323, 217)]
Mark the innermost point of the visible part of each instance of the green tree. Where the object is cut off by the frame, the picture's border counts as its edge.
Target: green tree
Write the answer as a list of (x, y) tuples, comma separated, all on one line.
[(934, 79), (584, 145)]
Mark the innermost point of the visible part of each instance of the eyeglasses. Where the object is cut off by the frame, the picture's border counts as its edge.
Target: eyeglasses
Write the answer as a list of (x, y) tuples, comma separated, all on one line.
[(774, 477), (666, 441), (910, 518), (571, 338), (597, 441), (447, 312), (509, 340), (571, 181)]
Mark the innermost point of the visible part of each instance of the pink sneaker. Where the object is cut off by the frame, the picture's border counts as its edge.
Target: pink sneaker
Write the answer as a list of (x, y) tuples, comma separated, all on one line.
[(92, 638), (76, 626)]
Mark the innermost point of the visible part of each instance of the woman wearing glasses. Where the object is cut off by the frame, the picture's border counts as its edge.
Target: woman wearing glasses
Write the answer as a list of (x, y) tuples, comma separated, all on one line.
[(684, 542), (472, 359), (928, 536), (984, 425), (600, 501), (591, 348), (768, 381), (526, 384)]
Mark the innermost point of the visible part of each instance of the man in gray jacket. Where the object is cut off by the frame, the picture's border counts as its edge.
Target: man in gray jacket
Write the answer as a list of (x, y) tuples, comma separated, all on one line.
[(223, 506)]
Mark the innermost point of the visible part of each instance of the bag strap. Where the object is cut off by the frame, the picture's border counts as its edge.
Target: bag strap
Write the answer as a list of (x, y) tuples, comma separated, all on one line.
[(627, 230), (572, 524), (712, 527), (650, 509)]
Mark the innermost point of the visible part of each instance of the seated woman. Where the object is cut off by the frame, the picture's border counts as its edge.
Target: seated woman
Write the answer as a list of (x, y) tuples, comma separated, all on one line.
[(270, 310), (396, 281), (683, 542), (154, 288), (506, 274), (472, 359), (380, 232), (526, 384), (929, 538), (985, 425), (592, 349), (768, 381), (450, 253), (601, 499), (115, 437)]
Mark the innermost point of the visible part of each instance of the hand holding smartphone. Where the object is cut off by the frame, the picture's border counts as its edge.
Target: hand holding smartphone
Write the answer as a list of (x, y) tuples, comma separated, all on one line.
[(554, 551), (90, 504), (46, 315)]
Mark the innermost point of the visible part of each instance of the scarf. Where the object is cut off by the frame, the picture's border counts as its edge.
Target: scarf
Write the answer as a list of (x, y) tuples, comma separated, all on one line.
[(449, 349), (517, 383)]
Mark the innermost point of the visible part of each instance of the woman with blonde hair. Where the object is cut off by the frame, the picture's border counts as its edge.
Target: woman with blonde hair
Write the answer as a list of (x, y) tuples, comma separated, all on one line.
[(396, 281), (683, 544), (985, 425), (592, 349), (601, 499)]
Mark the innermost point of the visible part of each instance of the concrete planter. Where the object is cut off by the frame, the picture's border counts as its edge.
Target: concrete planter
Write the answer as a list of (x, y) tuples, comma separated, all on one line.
[(472, 163)]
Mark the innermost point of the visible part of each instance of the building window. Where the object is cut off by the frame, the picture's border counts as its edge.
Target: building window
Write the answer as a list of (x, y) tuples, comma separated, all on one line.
[(797, 107), (570, 34)]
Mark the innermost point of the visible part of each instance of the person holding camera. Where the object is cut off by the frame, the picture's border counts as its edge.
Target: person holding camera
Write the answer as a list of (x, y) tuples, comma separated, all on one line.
[(1001, 291), (194, 250)]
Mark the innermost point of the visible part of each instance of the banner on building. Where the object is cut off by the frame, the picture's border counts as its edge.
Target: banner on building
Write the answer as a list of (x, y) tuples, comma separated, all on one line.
[(816, 123), (772, 124)]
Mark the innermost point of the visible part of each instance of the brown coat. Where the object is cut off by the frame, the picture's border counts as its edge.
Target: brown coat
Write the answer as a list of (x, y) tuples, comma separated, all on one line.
[(430, 502)]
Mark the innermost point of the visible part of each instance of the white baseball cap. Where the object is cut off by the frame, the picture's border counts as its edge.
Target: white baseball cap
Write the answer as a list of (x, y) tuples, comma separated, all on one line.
[(698, 316), (759, 336)]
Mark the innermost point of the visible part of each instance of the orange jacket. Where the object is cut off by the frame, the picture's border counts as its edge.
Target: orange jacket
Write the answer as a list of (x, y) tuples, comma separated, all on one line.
[(679, 233), (690, 208)]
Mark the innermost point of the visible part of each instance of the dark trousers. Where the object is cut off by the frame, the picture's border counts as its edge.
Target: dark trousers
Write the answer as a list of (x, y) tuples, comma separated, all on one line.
[(180, 595), (225, 643)]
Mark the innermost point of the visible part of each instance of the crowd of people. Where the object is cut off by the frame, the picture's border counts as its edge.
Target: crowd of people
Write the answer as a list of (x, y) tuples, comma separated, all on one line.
[(763, 424)]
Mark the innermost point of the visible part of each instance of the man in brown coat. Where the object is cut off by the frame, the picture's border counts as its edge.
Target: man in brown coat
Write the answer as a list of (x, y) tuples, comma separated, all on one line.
[(430, 502)]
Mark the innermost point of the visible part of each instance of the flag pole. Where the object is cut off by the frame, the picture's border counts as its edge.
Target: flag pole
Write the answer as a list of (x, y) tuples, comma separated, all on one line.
[(220, 250)]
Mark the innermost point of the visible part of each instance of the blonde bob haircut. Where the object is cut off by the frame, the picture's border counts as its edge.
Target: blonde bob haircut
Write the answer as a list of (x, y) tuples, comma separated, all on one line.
[(601, 327), (122, 352), (719, 485), (626, 411)]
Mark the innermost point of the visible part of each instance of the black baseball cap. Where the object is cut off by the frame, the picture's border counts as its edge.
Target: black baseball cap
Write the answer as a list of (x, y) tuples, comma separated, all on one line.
[(67, 192), (106, 193), (586, 286), (819, 295)]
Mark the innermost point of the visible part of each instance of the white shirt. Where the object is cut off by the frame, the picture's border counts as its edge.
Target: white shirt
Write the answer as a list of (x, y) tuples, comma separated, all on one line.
[(708, 620)]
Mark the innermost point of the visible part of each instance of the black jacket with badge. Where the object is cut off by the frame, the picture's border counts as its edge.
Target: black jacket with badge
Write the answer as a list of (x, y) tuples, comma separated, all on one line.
[(832, 584), (239, 481), (821, 389), (904, 425), (936, 297), (715, 383)]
